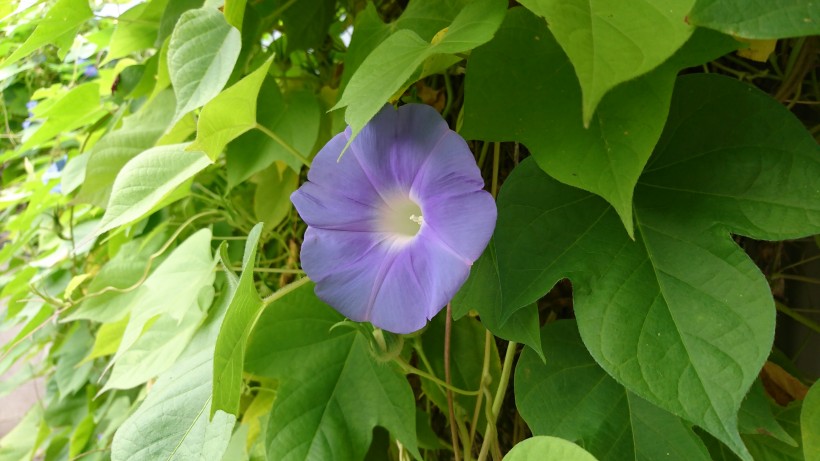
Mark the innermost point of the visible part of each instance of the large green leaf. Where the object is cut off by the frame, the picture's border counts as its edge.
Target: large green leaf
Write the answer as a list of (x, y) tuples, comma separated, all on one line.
[(228, 115), (58, 27), (201, 56), (571, 397), (682, 292), (332, 391), (810, 423), (243, 310), (177, 294), (613, 42), (139, 132), (521, 87), (482, 293), (755, 19), (146, 180), (294, 119), (172, 423), (395, 60), (541, 447)]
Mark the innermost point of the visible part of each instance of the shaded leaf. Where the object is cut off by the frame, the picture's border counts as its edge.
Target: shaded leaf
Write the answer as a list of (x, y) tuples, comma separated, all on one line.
[(271, 200), (482, 293), (571, 397), (306, 23), (521, 87), (682, 292), (810, 424), (756, 416), (294, 119), (756, 19), (323, 373)]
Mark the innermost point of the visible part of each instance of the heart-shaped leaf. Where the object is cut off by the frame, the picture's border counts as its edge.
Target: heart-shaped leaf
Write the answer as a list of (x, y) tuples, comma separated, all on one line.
[(682, 293)]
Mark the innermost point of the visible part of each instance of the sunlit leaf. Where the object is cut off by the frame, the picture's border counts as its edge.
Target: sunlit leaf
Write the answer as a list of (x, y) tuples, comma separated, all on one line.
[(542, 447), (58, 27), (613, 42), (201, 56), (231, 113)]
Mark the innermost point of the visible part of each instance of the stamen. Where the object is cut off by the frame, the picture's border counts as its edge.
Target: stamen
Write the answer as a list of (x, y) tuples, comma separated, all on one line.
[(417, 219)]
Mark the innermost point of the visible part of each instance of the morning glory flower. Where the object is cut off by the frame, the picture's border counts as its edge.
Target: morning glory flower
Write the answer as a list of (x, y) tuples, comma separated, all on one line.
[(395, 224)]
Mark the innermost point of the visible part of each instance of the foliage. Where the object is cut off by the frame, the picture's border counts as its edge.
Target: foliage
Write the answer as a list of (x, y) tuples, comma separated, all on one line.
[(150, 251)]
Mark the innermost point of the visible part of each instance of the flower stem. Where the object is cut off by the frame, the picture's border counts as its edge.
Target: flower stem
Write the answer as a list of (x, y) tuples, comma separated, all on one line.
[(450, 407), (283, 291), (284, 144), (490, 432), (410, 369), (496, 160)]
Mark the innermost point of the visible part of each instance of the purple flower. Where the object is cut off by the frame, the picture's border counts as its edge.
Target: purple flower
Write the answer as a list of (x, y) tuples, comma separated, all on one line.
[(91, 72), (396, 223)]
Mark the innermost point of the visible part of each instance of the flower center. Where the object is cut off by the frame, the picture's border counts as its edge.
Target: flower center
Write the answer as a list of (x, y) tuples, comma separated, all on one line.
[(401, 217)]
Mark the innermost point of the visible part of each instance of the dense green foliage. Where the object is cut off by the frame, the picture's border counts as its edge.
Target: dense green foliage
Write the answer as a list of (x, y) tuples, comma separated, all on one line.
[(150, 252)]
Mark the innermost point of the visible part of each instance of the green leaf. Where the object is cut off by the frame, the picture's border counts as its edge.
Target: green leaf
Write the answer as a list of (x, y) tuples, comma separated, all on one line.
[(20, 442), (524, 72), (756, 416), (482, 293), (165, 311), (332, 391), (70, 373), (542, 447), (758, 20), (613, 42), (393, 62), (146, 180), (138, 133), (810, 423), (228, 115), (77, 108), (172, 423), (767, 448), (235, 12), (201, 56), (306, 23), (682, 291), (295, 121), (58, 27), (271, 200), (571, 397), (114, 286), (136, 30), (242, 313)]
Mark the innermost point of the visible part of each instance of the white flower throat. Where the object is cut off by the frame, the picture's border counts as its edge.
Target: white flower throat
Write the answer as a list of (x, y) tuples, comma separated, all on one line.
[(401, 216)]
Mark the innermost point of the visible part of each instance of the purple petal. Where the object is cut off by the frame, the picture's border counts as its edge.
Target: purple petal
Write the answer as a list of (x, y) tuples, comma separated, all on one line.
[(325, 252), (449, 170), (395, 287), (344, 176), (462, 223), (419, 282), (395, 145), (325, 208)]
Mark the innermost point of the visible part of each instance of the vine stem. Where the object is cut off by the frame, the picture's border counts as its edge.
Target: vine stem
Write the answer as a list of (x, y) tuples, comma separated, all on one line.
[(410, 369), (448, 326), (797, 316), (284, 144), (490, 432)]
